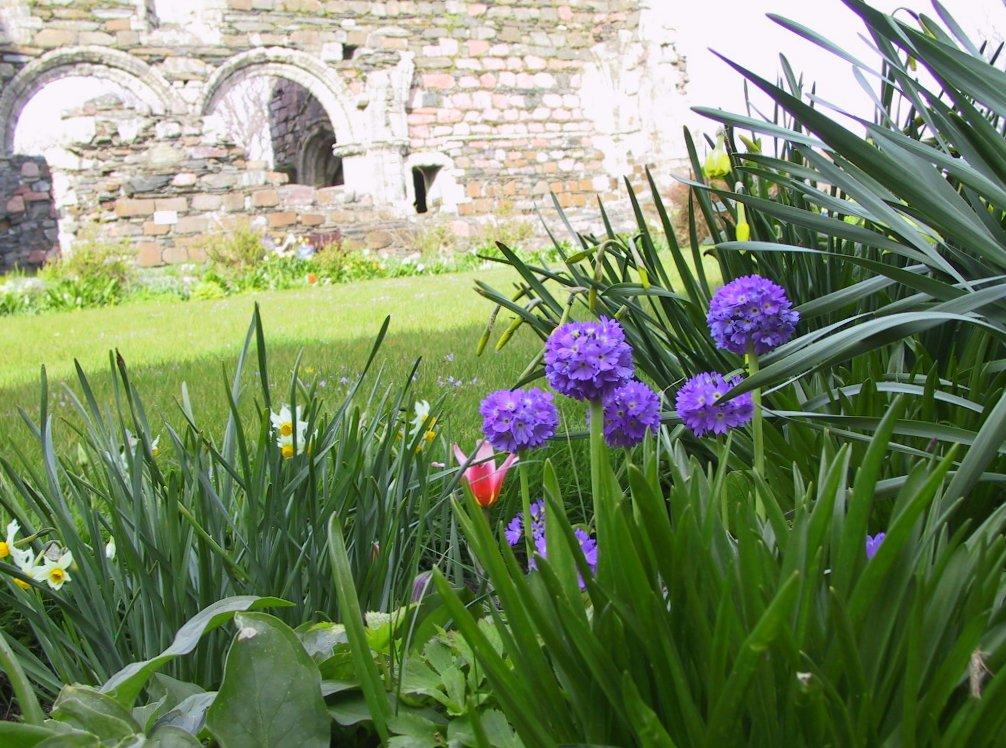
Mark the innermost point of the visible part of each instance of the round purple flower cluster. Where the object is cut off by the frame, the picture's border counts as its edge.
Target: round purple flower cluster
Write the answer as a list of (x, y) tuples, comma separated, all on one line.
[(514, 420), (629, 410), (586, 360), (515, 531), (751, 311), (698, 404)]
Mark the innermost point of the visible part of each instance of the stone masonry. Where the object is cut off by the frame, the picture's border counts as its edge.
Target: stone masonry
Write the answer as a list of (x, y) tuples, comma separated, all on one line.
[(28, 231), (476, 105)]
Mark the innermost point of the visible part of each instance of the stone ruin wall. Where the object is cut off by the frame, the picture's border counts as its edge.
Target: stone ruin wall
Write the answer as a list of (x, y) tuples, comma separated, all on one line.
[(500, 103), (28, 230)]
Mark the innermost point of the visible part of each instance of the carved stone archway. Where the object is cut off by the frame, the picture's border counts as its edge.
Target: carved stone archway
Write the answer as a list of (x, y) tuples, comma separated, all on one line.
[(293, 65), (98, 62)]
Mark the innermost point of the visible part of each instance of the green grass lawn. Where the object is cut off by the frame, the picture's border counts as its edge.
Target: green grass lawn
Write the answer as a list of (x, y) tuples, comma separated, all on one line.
[(437, 318)]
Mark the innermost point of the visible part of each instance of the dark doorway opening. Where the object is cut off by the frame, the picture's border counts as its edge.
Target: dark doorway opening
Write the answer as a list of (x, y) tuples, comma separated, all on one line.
[(422, 181)]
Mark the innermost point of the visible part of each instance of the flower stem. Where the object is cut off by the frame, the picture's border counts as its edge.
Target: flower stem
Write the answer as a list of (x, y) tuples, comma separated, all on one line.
[(525, 500), (757, 434), (598, 454)]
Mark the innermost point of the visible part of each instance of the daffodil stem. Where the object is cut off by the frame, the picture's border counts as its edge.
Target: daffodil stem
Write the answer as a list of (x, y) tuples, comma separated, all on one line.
[(757, 433), (525, 502), (31, 710)]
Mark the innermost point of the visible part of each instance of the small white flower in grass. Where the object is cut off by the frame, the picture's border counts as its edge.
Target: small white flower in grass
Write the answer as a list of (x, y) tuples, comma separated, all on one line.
[(286, 424), (54, 572), (110, 549), (420, 416)]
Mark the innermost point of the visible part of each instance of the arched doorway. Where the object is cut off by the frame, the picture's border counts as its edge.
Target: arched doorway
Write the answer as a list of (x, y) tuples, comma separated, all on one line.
[(108, 70), (317, 165), (281, 123)]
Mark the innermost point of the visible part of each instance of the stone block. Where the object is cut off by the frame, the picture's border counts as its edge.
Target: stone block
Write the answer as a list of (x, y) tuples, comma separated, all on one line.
[(191, 225), (296, 194), (127, 207), (438, 80), (148, 254), (118, 24), (312, 219), (184, 179), (206, 202), (50, 37), (29, 169), (378, 239), (152, 228), (281, 220), (234, 201), (171, 203), (175, 255), (166, 217), (15, 204), (329, 195), (264, 198)]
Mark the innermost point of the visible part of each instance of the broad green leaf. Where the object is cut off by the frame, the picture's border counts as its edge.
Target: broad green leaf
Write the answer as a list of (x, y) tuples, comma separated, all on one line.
[(189, 714), (91, 711), (126, 684), (17, 735), (271, 691)]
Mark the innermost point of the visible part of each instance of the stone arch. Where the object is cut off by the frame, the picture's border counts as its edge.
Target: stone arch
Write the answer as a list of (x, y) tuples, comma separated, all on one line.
[(301, 68), (317, 165), (99, 62)]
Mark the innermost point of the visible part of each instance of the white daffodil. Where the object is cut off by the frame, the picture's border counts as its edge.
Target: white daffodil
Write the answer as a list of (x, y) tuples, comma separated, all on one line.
[(23, 558), (286, 424), (110, 549), (132, 441), (420, 416), (7, 545), (54, 572)]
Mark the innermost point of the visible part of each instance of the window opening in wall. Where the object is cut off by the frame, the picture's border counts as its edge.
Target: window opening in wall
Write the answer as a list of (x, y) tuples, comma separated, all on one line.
[(422, 182), (349, 51)]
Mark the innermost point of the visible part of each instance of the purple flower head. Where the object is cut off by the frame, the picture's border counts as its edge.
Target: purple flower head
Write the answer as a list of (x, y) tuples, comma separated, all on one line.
[(629, 411), (873, 543), (586, 360), (698, 404), (751, 311), (518, 419), (515, 530), (588, 546), (420, 584)]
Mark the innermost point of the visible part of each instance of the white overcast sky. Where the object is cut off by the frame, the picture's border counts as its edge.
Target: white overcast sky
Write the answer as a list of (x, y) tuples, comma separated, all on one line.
[(742, 32)]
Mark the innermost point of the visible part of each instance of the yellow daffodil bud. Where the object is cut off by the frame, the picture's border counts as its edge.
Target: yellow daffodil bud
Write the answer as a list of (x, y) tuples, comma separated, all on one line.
[(4, 549), (753, 145), (717, 163), (743, 229), (508, 333), (287, 451), (21, 583)]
